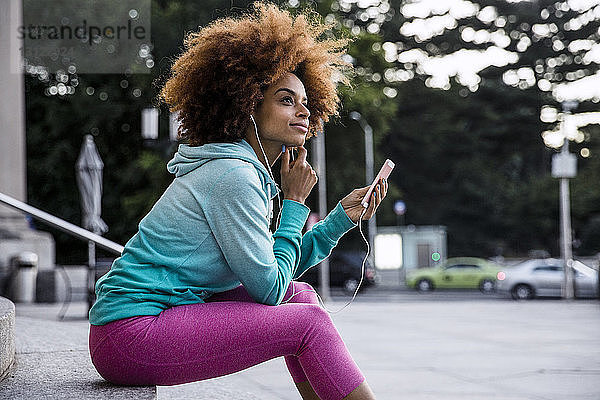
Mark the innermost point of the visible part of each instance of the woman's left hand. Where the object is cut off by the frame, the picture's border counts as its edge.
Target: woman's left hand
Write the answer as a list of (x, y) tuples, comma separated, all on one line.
[(352, 206)]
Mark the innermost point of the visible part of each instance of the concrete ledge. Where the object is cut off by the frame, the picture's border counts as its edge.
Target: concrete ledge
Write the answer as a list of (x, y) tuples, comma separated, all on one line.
[(52, 360), (7, 336), (64, 375)]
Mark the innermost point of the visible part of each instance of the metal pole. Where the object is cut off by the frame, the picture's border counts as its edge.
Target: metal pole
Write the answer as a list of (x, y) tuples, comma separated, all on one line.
[(63, 225), (369, 177), (91, 296), (372, 224), (565, 219), (318, 148)]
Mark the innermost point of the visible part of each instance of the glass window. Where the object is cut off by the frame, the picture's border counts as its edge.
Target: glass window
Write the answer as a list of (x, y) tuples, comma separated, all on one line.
[(548, 268), (462, 267)]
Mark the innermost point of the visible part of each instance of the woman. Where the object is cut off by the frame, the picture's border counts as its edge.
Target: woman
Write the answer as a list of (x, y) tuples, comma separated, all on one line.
[(203, 289)]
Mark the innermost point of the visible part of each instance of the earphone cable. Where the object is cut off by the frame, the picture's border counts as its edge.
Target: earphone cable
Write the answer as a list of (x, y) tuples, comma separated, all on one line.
[(362, 270), (362, 275), (270, 172)]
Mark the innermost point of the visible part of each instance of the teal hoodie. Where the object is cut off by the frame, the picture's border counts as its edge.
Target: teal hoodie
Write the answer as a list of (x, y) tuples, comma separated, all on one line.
[(209, 232)]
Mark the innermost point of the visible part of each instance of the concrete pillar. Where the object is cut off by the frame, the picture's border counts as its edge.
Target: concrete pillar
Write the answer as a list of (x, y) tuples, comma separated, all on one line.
[(12, 116), (15, 234)]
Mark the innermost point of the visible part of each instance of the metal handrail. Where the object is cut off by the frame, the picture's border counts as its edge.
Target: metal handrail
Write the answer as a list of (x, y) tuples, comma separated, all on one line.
[(61, 224)]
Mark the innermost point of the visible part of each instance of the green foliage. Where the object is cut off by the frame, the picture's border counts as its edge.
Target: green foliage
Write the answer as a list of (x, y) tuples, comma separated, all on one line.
[(473, 161), (473, 158), (134, 172)]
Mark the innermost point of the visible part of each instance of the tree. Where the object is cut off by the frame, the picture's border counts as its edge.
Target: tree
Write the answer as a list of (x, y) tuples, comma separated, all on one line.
[(109, 106), (472, 78)]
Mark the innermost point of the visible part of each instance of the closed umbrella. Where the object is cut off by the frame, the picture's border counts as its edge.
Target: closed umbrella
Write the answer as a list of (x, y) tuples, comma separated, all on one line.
[(89, 180)]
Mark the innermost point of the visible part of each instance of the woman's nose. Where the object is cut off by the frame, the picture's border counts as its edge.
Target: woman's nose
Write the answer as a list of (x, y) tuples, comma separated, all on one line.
[(303, 111)]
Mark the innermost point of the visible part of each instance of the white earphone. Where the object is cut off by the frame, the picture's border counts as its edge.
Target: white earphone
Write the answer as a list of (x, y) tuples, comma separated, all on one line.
[(279, 215), (270, 209)]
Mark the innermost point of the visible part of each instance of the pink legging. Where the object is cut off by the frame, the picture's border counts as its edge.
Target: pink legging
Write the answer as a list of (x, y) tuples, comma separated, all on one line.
[(228, 333)]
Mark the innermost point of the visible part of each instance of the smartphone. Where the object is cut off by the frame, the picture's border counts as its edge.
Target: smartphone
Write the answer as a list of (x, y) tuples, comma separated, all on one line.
[(384, 172)]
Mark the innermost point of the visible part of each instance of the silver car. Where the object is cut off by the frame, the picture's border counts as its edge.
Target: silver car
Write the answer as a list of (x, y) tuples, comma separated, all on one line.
[(544, 277)]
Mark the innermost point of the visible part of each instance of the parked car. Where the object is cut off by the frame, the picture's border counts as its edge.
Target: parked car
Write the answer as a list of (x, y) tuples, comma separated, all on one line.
[(344, 271), (456, 273), (544, 277)]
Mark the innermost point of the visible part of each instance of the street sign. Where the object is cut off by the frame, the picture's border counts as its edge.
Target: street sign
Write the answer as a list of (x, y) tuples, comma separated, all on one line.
[(564, 165), (150, 123)]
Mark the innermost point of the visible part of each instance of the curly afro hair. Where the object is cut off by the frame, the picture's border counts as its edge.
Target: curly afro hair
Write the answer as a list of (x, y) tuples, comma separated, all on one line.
[(219, 79)]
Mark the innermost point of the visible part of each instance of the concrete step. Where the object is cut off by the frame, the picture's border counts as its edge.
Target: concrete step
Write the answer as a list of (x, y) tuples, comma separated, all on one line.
[(64, 375), (7, 336), (52, 359)]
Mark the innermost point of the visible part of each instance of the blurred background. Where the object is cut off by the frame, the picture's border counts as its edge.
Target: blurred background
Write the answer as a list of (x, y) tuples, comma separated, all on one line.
[(470, 99), (490, 111)]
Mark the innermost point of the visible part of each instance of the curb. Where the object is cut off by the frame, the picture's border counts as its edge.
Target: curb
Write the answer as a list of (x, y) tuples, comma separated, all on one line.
[(7, 336)]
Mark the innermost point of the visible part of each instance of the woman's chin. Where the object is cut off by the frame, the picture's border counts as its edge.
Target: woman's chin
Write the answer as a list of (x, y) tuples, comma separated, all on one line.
[(295, 143)]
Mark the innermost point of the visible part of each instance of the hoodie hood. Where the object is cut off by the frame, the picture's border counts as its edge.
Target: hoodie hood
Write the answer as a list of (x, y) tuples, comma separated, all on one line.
[(188, 158)]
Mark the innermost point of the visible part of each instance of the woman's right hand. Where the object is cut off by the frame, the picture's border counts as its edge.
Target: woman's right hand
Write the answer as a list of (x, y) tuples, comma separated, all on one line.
[(297, 177)]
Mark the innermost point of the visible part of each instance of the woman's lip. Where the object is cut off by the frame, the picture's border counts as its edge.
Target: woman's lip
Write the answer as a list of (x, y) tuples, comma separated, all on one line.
[(303, 129)]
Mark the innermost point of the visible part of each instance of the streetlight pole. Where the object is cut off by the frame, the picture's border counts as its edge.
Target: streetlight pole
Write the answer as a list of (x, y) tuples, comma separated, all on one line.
[(318, 149), (566, 239), (568, 170), (355, 115)]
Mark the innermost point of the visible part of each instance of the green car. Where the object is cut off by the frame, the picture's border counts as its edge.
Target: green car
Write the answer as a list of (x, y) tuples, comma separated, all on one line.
[(456, 273)]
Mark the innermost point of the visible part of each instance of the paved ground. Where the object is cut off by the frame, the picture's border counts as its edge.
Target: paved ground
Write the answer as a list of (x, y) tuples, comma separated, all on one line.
[(52, 360), (444, 345)]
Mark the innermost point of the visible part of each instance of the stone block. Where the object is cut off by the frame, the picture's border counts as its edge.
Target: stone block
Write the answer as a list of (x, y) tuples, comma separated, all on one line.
[(7, 336)]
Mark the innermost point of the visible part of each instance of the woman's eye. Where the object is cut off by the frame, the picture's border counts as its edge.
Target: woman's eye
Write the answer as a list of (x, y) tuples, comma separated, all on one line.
[(288, 99)]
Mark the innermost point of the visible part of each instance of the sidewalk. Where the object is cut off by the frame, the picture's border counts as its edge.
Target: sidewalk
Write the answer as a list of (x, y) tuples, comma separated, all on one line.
[(415, 349)]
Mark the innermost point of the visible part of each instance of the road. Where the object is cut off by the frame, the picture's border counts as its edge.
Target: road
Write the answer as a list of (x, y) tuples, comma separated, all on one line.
[(411, 295), (445, 345), (453, 345)]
